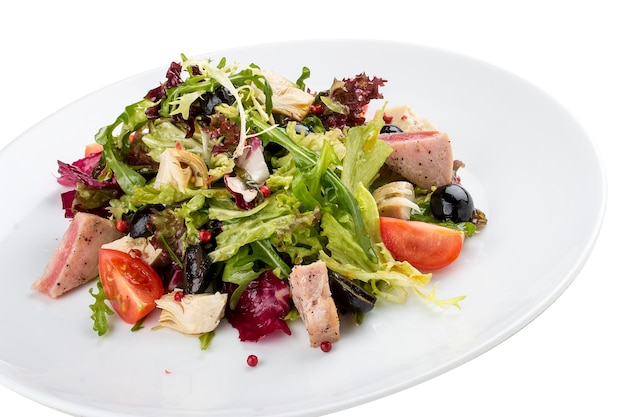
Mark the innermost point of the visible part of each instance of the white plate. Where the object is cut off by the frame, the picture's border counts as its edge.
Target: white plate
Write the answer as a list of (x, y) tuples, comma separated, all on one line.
[(519, 147)]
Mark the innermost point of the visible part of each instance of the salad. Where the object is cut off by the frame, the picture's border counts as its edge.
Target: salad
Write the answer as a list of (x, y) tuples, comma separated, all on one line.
[(230, 193)]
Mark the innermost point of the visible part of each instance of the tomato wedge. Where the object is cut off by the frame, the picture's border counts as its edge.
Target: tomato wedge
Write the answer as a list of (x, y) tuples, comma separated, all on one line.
[(426, 246), (130, 284)]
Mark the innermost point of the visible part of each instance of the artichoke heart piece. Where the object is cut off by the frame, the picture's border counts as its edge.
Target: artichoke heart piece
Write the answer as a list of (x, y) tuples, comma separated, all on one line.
[(191, 314), (396, 199), (287, 98), (182, 169), (140, 245)]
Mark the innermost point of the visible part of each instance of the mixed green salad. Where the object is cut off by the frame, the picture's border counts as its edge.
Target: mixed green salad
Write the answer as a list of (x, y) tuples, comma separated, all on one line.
[(231, 175)]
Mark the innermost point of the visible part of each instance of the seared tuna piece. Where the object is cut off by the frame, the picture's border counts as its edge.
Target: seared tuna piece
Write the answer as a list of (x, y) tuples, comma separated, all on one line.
[(75, 261), (424, 157), (311, 296)]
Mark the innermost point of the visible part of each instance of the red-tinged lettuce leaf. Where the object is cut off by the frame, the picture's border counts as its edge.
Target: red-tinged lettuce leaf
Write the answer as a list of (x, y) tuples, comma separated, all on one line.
[(89, 194), (261, 309), (67, 201), (345, 102), (86, 201), (81, 171)]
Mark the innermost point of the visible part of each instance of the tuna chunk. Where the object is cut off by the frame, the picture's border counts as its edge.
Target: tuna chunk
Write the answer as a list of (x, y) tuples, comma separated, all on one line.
[(75, 261), (424, 158), (311, 296)]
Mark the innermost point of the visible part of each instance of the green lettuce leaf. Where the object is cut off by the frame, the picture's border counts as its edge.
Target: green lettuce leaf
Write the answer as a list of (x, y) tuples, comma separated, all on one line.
[(365, 155), (385, 277), (165, 135), (280, 216)]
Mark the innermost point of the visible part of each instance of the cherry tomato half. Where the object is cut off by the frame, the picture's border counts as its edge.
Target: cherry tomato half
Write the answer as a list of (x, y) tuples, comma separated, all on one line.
[(426, 246), (130, 284)]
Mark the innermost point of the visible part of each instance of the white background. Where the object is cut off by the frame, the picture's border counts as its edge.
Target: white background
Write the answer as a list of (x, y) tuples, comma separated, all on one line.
[(568, 361)]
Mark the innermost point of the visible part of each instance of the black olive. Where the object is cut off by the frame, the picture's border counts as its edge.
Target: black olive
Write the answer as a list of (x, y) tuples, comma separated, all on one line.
[(218, 96), (349, 296), (302, 129), (453, 203), (140, 223), (196, 270), (390, 129)]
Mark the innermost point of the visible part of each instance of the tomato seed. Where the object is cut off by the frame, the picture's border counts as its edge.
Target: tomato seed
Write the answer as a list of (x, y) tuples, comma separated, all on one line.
[(252, 360)]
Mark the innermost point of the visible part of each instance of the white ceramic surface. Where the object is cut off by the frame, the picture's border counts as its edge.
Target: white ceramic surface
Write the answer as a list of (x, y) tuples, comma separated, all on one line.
[(525, 258)]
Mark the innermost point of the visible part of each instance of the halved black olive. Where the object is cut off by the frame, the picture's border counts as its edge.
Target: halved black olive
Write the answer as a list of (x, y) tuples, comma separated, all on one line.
[(196, 270), (390, 129), (218, 96), (349, 296), (140, 225)]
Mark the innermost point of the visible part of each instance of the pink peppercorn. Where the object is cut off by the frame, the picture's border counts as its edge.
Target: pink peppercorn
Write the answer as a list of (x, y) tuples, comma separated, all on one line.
[(122, 226), (317, 109), (204, 235), (265, 190), (326, 346), (252, 360)]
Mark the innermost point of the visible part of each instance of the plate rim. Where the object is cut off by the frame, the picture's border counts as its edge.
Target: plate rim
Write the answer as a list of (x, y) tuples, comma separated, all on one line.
[(54, 402)]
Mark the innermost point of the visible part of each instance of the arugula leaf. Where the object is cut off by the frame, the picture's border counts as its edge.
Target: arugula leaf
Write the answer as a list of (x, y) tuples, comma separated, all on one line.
[(243, 267), (116, 144), (306, 73), (100, 310), (126, 177), (205, 340), (137, 326), (305, 157)]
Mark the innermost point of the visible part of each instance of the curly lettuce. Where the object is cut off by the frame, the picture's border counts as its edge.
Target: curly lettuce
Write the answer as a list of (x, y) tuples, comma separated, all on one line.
[(385, 277)]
